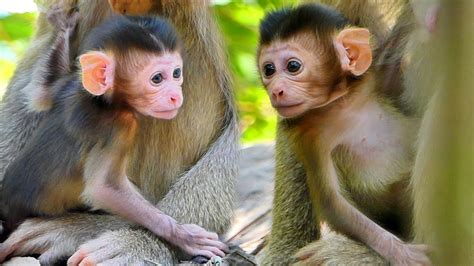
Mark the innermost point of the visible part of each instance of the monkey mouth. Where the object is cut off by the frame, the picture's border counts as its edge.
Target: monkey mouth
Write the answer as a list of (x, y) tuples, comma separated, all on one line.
[(165, 114), (285, 106), (289, 110)]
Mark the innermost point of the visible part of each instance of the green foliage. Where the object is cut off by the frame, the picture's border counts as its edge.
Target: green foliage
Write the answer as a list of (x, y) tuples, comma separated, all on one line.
[(238, 21), (15, 31)]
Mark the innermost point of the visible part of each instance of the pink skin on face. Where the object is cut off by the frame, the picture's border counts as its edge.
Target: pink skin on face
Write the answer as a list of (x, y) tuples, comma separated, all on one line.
[(159, 99), (288, 102)]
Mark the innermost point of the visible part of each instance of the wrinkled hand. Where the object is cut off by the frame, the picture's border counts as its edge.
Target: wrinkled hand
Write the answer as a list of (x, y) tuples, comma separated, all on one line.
[(122, 247), (410, 254), (195, 240), (58, 238)]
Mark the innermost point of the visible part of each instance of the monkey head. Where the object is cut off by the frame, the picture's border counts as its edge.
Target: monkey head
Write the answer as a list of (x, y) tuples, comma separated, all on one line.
[(308, 55), (136, 63), (153, 90)]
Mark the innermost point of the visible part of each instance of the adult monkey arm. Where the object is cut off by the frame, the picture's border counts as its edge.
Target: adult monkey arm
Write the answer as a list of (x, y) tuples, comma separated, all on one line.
[(290, 191), (190, 176)]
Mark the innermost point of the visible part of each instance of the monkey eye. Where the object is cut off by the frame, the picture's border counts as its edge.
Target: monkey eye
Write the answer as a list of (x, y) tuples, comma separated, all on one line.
[(177, 73), (293, 66), (269, 69), (156, 79)]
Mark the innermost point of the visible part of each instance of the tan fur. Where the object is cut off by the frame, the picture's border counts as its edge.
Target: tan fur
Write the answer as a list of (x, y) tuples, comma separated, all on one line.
[(69, 195), (186, 166), (357, 155), (440, 176)]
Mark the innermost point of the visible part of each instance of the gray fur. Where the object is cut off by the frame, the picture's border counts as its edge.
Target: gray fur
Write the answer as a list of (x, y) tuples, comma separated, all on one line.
[(197, 186)]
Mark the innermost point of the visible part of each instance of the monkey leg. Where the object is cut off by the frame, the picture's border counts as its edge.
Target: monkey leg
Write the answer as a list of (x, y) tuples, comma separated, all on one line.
[(106, 238), (337, 249)]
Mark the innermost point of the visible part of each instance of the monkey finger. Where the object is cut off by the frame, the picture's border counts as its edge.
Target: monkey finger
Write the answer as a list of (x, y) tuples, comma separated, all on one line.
[(215, 243), (420, 256), (212, 235), (76, 258), (421, 247), (94, 251), (98, 256), (202, 252), (88, 262), (215, 251)]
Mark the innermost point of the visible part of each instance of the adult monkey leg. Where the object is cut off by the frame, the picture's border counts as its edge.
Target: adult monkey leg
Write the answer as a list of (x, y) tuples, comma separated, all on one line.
[(187, 167)]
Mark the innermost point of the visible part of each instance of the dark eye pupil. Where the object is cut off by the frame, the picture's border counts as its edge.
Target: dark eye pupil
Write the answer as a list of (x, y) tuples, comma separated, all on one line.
[(177, 73), (293, 66), (156, 79), (269, 69)]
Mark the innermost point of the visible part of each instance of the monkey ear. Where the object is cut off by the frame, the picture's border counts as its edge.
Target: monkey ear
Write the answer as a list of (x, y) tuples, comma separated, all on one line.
[(98, 71), (354, 50)]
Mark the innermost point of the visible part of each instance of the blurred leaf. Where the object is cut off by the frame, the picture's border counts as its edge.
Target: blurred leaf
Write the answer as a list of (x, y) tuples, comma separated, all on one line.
[(239, 22), (17, 26)]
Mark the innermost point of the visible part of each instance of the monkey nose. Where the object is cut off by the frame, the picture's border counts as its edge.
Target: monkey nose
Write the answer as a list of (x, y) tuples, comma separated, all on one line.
[(277, 93), (175, 101)]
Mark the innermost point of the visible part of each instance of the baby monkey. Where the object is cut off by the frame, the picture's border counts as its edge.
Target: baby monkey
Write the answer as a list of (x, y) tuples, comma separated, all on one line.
[(354, 147), (130, 69)]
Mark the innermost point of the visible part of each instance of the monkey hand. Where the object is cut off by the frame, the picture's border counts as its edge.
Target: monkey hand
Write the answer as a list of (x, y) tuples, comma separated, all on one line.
[(56, 238), (337, 249), (409, 254), (195, 240), (127, 246)]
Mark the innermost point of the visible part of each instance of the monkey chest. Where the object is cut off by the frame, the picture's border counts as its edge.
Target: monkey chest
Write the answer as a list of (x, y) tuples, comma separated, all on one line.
[(375, 156)]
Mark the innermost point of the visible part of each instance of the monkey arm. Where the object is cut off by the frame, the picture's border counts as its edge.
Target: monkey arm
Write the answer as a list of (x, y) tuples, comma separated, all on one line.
[(107, 187), (209, 184), (345, 218), (290, 190)]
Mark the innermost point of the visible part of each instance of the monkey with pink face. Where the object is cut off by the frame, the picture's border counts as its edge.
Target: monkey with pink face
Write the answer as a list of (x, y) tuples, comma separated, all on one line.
[(344, 152), (130, 69)]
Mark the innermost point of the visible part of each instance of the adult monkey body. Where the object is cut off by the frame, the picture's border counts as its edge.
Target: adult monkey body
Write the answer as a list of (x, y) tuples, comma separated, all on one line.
[(190, 176)]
